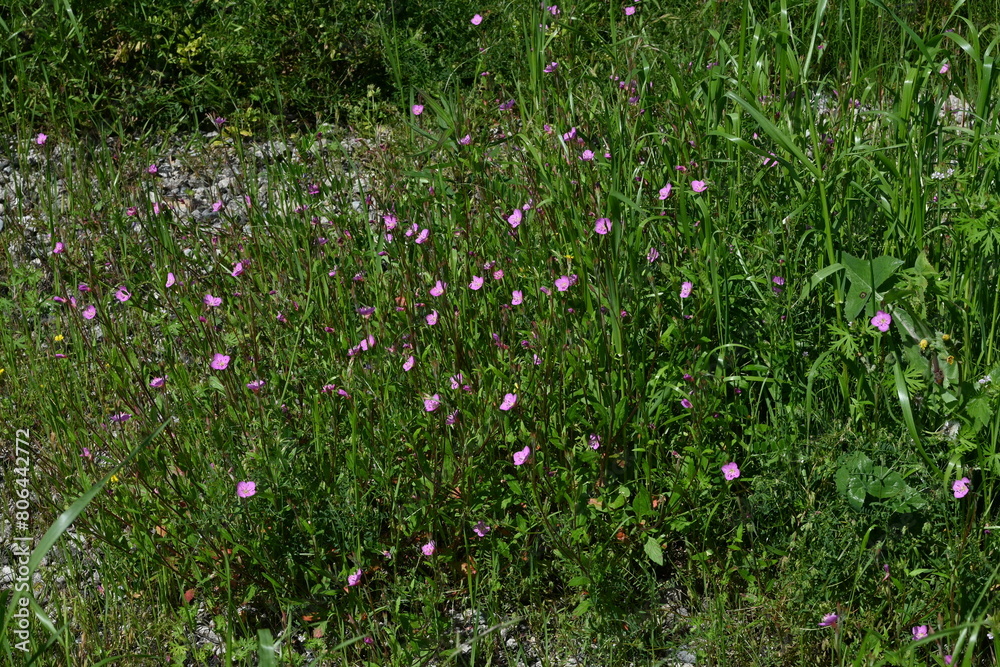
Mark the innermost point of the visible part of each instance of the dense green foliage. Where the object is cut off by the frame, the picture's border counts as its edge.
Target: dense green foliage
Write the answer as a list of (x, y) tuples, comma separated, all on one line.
[(515, 342)]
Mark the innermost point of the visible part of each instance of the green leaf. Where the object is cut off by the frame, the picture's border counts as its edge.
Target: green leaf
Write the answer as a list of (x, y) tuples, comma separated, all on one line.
[(642, 504), (653, 550)]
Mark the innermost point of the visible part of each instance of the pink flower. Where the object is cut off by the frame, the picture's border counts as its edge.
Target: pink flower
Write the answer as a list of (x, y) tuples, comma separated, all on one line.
[(685, 403), (456, 381), (432, 403), (417, 109), (121, 417), (551, 67), (354, 579), (170, 280), (515, 218), (152, 169), (653, 255), (217, 206), (829, 621), (408, 364), (587, 155), (522, 456), (517, 298), (595, 441), (156, 383), (481, 529), (881, 321), (89, 312), (699, 186), (429, 549), (562, 283), (131, 211), (422, 236), (686, 288), (944, 70), (629, 11), (255, 385), (438, 288), (83, 287), (123, 294), (59, 249), (960, 487), (432, 319), (220, 362), (731, 471), (508, 401), (665, 191), (390, 222), (238, 270), (920, 631), (466, 140), (41, 139), (246, 489), (476, 20), (476, 283), (498, 274), (602, 226), (212, 301)]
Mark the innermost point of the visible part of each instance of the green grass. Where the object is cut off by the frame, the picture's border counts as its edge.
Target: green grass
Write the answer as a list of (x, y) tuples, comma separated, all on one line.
[(848, 438)]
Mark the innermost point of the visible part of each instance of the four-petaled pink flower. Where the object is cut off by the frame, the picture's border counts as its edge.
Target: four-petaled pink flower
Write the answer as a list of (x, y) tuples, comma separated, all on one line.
[(508, 401), (422, 236), (562, 283), (602, 226), (466, 140), (481, 529), (476, 20), (551, 67), (944, 69), (152, 169), (123, 294), (960, 487), (517, 298), (587, 155), (432, 319), (238, 270), (429, 549), (170, 280), (432, 403), (246, 489), (156, 383), (699, 186), (408, 364), (665, 191), (595, 441), (515, 218), (417, 109), (522, 456), (255, 385), (731, 471), (920, 631), (59, 249), (685, 403), (686, 288), (220, 362), (630, 10), (212, 301), (829, 620), (41, 139), (89, 312), (217, 206), (476, 283), (355, 578), (653, 255), (881, 321), (438, 288)]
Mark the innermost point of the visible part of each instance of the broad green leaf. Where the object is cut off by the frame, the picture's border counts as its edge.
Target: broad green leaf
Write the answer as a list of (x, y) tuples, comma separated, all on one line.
[(653, 550)]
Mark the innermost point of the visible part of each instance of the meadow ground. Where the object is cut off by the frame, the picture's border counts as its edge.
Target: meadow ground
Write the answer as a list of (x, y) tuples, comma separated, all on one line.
[(650, 335)]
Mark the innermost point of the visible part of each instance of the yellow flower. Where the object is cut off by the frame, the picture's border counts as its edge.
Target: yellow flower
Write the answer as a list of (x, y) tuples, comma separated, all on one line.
[(951, 359), (945, 337), (114, 478), (59, 338), (923, 344), (1, 371)]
